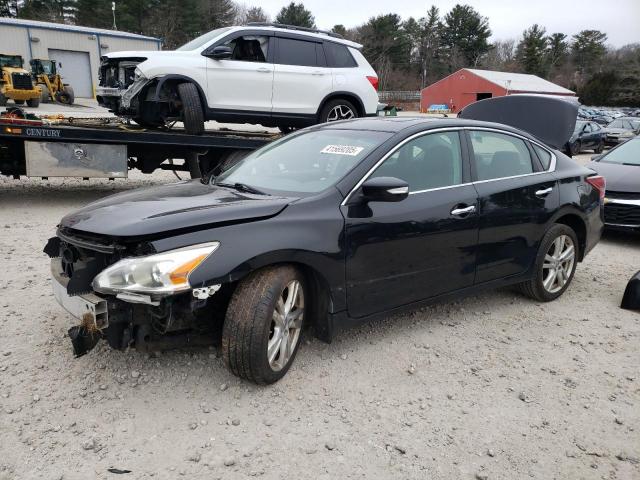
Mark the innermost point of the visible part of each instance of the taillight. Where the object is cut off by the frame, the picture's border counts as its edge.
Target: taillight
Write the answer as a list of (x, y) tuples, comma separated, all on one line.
[(599, 183), (374, 82)]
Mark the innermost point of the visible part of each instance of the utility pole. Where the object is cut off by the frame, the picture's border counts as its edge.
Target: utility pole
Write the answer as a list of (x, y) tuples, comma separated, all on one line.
[(113, 9)]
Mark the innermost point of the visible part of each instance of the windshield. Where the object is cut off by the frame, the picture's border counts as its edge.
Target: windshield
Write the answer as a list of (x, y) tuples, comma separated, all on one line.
[(579, 126), (14, 61), (628, 153), (306, 163), (203, 39)]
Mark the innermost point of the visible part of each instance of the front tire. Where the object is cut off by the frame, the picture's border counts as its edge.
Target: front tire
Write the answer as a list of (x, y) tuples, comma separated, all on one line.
[(576, 147), (192, 114), (600, 148), (33, 102), (338, 109), (263, 325), (45, 96), (67, 96), (555, 264)]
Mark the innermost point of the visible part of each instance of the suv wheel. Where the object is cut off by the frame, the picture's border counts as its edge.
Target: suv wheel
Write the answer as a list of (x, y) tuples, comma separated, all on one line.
[(338, 109), (555, 264), (262, 328), (192, 114)]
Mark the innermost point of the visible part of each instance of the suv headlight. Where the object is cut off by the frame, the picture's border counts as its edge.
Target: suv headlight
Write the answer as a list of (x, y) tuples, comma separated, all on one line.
[(160, 274)]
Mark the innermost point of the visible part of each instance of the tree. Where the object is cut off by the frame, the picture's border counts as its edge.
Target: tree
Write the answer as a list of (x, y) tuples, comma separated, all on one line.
[(588, 48), (465, 35), (246, 15), (386, 45), (296, 14), (9, 8), (340, 30), (215, 14), (48, 10), (429, 46), (531, 52), (94, 13), (557, 50), (501, 56)]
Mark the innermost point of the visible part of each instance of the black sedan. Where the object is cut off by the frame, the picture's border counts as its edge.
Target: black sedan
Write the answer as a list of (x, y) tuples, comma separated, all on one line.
[(333, 225), (587, 136), (621, 169)]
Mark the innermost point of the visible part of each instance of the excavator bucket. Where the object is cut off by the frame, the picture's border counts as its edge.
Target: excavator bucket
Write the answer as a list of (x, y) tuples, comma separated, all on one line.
[(631, 297)]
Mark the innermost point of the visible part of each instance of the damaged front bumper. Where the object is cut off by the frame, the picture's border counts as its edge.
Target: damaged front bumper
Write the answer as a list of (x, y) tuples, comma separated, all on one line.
[(121, 97)]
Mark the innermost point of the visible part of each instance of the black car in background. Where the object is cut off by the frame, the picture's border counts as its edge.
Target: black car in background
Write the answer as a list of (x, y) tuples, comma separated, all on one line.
[(329, 226), (622, 129), (621, 169), (587, 136)]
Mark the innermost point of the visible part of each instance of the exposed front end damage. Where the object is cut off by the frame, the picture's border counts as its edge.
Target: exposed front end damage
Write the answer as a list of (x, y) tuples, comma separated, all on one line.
[(127, 319), (120, 81)]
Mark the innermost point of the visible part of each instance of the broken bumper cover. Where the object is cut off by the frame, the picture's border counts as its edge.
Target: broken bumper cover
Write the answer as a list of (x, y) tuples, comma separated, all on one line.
[(124, 96)]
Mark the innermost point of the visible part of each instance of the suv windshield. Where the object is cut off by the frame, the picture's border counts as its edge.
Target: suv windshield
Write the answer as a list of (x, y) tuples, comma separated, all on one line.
[(203, 39), (305, 163), (628, 154), (14, 61)]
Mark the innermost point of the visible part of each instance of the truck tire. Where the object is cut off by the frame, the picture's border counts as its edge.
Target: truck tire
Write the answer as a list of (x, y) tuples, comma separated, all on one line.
[(338, 109), (192, 114), (33, 102), (45, 96), (263, 324), (67, 96)]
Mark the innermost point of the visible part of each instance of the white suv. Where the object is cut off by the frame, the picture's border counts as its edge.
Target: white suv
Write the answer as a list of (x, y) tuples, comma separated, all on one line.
[(271, 74)]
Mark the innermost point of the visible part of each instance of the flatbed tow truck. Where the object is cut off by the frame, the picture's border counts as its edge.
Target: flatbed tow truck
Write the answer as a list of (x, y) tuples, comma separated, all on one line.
[(108, 148)]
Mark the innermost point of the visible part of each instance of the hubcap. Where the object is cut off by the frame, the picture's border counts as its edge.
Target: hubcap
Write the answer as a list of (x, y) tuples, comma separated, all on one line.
[(340, 112), (558, 264), (286, 324)]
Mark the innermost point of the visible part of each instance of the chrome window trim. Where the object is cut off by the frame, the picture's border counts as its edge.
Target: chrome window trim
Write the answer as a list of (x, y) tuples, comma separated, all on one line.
[(552, 163), (394, 150)]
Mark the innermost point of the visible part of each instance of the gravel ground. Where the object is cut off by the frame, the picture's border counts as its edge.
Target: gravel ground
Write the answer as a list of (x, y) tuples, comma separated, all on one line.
[(494, 386)]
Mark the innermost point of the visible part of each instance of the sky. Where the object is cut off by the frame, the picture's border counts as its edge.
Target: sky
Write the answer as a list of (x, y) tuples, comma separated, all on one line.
[(619, 19)]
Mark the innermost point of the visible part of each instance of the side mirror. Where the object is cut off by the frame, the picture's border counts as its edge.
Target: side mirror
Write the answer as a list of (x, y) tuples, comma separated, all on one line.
[(385, 189), (220, 52)]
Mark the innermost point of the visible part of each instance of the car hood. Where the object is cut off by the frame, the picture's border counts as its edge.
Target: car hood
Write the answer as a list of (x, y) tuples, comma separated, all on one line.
[(161, 210), (617, 131), (620, 178)]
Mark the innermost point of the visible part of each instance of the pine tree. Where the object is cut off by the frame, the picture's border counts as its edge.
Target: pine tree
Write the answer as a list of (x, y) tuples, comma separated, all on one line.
[(465, 35), (94, 13), (296, 14), (246, 15), (532, 50), (588, 48)]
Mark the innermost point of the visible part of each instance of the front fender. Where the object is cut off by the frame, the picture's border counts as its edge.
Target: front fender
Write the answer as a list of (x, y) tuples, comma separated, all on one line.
[(174, 78)]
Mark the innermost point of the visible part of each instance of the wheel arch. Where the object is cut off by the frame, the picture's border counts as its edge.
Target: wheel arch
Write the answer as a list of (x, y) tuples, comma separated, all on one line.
[(174, 80), (571, 218), (350, 96)]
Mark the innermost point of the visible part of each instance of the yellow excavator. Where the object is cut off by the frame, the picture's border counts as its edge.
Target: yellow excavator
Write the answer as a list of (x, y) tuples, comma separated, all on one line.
[(16, 83), (49, 80)]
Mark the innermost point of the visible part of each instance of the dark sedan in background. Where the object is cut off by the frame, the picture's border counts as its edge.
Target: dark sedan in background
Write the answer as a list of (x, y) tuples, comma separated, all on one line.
[(621, 169), (587, 136)]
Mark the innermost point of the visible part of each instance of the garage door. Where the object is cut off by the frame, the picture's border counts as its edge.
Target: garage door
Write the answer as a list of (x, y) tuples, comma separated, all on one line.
[(75, 70)]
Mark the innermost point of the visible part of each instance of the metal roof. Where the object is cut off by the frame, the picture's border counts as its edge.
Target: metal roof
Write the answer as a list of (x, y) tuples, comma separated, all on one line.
[(520, 82), (73, 28)]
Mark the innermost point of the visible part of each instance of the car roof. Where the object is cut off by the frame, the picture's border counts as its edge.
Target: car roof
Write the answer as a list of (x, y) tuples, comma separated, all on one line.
[(398, 124), (295, 32)]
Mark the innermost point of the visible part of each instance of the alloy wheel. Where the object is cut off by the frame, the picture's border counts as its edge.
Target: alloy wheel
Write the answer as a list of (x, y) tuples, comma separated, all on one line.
[(340, 112), (558, 264), (286, 325)]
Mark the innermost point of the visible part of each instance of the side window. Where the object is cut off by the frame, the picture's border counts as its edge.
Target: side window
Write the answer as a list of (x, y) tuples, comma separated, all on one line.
[(616, 124), (543, 155), (587, 128), (430, 161), (595, 127), (338, 56), (296, 52), (498, 155), (249, 48)]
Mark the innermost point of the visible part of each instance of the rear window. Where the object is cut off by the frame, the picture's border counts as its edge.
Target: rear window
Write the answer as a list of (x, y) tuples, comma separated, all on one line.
[(339, 56), (296, 52)]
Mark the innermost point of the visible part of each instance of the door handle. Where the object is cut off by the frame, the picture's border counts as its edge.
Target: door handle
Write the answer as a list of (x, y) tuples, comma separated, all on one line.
[(263, 70), (544, 192), (459, 212)]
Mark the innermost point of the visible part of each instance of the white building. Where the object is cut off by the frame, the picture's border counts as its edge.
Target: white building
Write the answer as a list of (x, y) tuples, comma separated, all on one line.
[(77, 49)]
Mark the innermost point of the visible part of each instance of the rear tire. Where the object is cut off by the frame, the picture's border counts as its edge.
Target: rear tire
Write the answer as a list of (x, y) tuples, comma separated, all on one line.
[(600, 147), (544, 286), (192, 114), (45, 96), (19, 102), (67, 96), (264, 320), (338, 109), (576, 147), (33, 102)]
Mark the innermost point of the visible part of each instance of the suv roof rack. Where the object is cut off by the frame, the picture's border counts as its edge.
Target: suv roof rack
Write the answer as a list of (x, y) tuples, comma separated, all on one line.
[(294, 27)]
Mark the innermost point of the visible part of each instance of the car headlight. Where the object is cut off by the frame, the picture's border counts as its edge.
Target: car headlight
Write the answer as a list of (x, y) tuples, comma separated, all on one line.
[(160, 274)]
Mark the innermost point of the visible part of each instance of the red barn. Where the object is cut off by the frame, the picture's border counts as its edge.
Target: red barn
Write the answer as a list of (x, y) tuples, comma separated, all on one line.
[(470, 85)]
